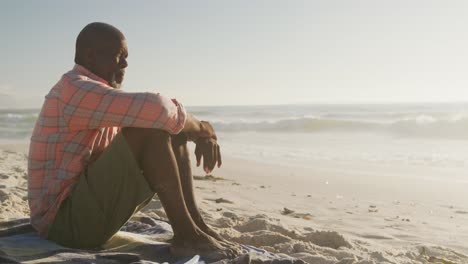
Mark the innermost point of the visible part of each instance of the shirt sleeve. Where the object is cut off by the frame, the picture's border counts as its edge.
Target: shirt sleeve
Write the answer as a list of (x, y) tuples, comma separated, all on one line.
[(89, 104)]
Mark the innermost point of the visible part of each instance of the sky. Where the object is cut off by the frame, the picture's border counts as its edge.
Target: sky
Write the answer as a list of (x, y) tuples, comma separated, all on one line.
[(249, 52)]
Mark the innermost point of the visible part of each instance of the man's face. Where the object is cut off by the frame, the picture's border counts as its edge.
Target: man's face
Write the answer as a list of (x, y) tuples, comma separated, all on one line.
[(109, 62)]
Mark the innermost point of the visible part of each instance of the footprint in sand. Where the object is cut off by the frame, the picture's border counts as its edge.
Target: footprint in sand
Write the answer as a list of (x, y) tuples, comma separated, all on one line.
[(3, 195), (220, 200), (330, 239), (372, 209), (208, 178), (18, 169), (230, 215), (4, 177), (456, 211), (289, 212)]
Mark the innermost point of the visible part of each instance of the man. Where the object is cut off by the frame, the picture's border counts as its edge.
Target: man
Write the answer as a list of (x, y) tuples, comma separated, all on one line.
[(99, 154)]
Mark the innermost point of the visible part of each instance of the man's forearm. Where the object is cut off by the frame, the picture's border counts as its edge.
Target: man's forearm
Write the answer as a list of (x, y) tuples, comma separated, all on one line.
[(193, 127)]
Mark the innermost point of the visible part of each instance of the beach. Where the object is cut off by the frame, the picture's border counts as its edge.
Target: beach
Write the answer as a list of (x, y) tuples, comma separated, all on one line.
[(342, 128), (323, 197), (310, 214)]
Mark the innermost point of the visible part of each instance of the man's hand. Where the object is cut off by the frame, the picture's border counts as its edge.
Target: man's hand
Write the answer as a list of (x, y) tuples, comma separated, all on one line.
[(195, 129), (204, 136), (205, 130), (208, 148)]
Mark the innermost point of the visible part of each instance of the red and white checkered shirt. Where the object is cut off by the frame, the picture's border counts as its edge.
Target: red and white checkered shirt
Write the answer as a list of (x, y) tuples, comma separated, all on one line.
[(79, 118)]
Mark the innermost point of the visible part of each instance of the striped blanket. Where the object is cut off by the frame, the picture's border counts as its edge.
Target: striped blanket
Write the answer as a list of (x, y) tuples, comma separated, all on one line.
[(141, 240)]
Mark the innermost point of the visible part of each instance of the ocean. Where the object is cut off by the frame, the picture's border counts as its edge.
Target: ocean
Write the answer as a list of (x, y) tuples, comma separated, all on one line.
[(424, 134), (428, 134)]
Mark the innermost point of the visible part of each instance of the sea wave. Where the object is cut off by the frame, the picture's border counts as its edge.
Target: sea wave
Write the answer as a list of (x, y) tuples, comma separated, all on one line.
[(419, 122), (418, 126), (18, 116), (17, 123)]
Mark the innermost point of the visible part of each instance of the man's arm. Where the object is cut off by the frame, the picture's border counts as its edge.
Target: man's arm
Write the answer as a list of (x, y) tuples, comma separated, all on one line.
[(87, 104), (204, 136), (196, 129)]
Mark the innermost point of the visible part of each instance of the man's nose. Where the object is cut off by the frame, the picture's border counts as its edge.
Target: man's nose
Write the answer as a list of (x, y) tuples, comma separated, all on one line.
[(123, 63)]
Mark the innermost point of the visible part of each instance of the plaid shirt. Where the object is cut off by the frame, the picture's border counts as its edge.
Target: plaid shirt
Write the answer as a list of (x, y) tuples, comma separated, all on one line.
[(79, 118)]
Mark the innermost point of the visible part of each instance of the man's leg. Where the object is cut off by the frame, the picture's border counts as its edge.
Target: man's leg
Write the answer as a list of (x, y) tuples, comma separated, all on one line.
[(108, 192), (153, 151), (179, 144)]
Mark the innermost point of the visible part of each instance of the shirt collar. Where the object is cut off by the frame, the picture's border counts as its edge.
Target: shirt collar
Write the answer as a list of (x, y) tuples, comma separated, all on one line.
[(82, 70)]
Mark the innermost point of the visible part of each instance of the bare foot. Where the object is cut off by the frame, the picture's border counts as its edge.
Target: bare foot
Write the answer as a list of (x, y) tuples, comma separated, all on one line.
[(202, 245), (229, 244), (208, 230)]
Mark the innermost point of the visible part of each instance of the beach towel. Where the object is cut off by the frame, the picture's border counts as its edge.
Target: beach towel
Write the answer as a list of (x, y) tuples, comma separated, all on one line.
[(141, 240)]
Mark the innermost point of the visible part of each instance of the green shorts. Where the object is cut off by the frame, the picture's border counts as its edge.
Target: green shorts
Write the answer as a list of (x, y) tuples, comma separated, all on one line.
[(107, 194)]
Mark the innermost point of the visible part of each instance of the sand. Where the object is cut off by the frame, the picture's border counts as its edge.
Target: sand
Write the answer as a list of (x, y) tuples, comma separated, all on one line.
[(320, 215), (13, 185)]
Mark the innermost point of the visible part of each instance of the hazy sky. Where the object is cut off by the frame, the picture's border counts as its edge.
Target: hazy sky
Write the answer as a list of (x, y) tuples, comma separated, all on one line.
[(249, 52)]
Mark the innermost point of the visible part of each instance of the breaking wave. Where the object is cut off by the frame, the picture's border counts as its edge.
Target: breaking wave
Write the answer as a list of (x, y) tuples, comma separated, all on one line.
[(448, 122), (418, 126), (17, 124)]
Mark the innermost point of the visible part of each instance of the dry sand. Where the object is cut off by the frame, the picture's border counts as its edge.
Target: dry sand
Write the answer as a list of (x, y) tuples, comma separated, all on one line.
[(312, 214)]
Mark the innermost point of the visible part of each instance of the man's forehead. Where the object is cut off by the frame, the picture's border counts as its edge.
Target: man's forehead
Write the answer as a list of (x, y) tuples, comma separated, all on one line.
[(112, 44), (124, 44), (123, 48)]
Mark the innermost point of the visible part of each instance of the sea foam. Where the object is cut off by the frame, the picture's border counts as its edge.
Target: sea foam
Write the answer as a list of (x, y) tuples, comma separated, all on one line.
[(418, 126)]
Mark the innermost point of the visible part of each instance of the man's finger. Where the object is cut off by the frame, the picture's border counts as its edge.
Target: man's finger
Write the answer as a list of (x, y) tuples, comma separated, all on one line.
[(198, 154), (208, 156), (219, 156), (214, 150)]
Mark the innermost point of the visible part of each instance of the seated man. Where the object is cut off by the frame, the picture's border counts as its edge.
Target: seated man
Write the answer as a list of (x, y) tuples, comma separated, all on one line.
[(99, 154)]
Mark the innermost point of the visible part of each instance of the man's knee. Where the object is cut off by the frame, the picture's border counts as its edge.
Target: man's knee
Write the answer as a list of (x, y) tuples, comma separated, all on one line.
[(160, 138), (140, 138)]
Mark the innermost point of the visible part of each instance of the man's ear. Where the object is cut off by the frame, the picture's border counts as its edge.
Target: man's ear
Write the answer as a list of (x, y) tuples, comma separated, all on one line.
[(89, 56)]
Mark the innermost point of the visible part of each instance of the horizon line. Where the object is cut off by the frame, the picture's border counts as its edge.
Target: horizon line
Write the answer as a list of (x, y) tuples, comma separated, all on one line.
[(297, 104)]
